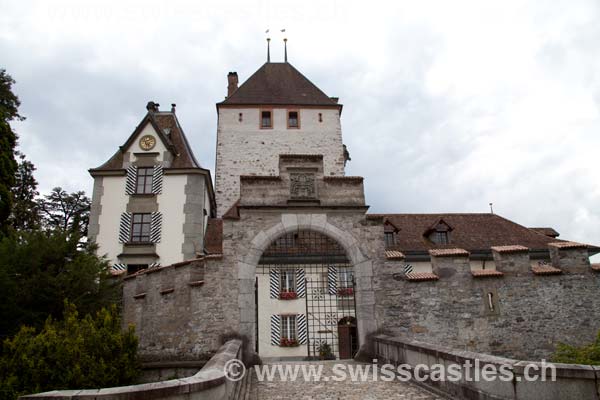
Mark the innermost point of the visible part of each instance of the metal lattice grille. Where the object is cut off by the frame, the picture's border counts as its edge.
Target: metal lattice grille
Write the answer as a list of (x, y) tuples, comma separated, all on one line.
[(328, 290)]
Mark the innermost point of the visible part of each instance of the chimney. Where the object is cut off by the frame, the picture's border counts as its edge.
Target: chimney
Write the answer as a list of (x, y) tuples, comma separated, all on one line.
[(152, 106), (173, 105), (232, 80)]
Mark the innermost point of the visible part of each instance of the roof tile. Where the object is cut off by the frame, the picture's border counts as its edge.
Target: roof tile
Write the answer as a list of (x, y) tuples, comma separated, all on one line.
[(510, 249), (448, 252), (483, 273), (568, 245), (545, 270), (394, 255), (421, 276)]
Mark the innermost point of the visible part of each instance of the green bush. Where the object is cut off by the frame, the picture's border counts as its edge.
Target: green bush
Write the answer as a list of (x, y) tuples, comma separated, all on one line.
[(589, 354), (73, 353)]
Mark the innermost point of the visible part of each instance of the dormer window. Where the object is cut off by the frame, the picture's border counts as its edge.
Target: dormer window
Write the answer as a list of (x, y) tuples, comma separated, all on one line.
[(293, 119), (439, 233), (389, 234), (440, 237), (390, 239), (266, 119)]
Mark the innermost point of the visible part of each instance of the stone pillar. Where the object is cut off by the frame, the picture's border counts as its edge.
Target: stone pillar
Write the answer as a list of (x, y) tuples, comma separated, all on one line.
[(512, 260), (447, 263), (570, 257)]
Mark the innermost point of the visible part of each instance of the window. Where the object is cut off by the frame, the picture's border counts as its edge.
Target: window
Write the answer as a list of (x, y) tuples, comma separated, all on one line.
[(288, 280), (345, 277), (440, 237), (390, 239), (293, 121), (288, 327), (144, 180), (140, 231), (265, 119)]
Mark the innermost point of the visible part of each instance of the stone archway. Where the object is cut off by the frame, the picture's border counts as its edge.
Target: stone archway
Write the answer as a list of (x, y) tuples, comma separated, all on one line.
[(362, 267)]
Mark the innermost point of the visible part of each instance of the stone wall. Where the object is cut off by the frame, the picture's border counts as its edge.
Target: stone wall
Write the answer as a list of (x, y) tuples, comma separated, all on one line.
[(181, 311), (530, 313), (244, 149), (568, 381)]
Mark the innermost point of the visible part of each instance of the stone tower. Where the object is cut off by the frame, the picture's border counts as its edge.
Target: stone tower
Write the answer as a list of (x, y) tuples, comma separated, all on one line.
[(276, 111)]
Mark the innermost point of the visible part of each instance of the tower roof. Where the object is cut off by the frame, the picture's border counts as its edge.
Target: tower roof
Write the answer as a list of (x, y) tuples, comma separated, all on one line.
[(279, 84)]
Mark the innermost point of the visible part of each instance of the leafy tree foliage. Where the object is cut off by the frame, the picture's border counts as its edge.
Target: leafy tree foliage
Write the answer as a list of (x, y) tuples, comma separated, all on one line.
[(9, 105), (66, 213), (25, 214), (589, 354), (71, 353), (38, 270)]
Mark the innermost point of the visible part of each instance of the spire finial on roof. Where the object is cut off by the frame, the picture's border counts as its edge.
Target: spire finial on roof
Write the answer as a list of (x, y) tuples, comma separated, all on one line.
[(268, 46), (285, 48)]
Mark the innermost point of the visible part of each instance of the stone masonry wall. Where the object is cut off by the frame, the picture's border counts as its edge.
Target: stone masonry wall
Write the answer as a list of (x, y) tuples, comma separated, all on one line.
[(181, 311), (531, 313), (244, 149)]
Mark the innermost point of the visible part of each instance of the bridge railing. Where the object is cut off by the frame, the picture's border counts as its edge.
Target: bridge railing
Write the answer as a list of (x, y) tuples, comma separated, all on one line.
[(567, 381), (209, 383)]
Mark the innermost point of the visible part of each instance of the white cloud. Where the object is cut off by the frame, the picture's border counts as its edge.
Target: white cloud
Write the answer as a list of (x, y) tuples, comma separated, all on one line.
[(447, 105)]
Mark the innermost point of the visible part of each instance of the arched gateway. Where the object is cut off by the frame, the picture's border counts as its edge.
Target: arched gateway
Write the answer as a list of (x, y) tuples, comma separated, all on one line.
[(305, 285), (305, 275)]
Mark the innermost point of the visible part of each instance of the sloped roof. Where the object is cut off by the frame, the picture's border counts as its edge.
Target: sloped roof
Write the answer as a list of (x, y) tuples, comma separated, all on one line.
[(470, 231), (170, 132), (279, 84), (547, 231)]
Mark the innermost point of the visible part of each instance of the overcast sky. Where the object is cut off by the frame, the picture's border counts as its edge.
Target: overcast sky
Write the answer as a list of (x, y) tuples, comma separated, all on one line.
[(448, 106)]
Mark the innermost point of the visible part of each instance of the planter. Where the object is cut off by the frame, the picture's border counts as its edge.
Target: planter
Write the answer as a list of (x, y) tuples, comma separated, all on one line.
[(288, 296), (345, 292), (289, 343)]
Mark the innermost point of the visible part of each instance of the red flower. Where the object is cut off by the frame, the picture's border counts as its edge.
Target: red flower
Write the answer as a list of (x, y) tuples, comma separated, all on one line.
[(345, 291), (288, 295), (285, 342)]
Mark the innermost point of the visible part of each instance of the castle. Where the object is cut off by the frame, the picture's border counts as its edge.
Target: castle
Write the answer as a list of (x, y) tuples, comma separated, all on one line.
[(284, 251)]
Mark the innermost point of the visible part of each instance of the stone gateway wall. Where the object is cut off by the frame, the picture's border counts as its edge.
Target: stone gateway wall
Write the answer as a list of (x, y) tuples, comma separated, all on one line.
[(531, 313)]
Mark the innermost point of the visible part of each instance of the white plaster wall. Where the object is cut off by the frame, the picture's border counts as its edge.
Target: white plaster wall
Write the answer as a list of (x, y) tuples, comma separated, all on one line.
[(170, 204), (113, 203), (245, 149), (207, 207), (419, 266), (159, 147)]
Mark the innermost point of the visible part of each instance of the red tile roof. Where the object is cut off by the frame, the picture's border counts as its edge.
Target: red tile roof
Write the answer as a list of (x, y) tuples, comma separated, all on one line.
[(510, 249), (175, 140), (547, 231), (448, 252), (279, 84), (485, 273), (421, 277), (596, 267), (568, 245), (470, 231), (545, 270), (233, 212), (394, 255)]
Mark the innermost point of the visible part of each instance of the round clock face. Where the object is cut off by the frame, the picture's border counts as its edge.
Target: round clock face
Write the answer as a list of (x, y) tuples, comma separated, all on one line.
[(147, 142)]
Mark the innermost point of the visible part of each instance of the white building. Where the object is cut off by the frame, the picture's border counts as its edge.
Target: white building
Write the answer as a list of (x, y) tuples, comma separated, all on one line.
[(152, 199)]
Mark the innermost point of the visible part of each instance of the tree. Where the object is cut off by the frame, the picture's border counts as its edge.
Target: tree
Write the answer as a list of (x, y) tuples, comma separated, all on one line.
[(24, 215), (9, 105), (71, 353), (66, 213), (38, 270), (587, 354)]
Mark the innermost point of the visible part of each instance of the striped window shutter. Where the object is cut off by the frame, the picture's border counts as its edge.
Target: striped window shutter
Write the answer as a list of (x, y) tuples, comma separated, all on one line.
[(118, 269), (155, 227), (300, 282), (274, 283), (332, 279), (275, 330), (157, 177), (301, 321), (131, 178), (125, 228)]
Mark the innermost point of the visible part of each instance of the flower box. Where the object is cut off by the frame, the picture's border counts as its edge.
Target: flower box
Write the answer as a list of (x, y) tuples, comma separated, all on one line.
[(288, 295), (288, 343), (345, 291)]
